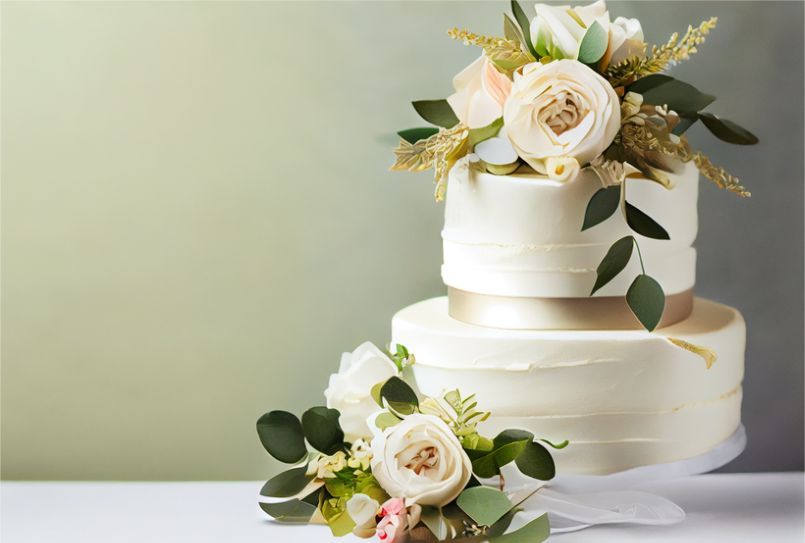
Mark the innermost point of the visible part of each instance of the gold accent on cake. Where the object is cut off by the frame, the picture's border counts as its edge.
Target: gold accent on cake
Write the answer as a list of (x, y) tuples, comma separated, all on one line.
[(708, 355)]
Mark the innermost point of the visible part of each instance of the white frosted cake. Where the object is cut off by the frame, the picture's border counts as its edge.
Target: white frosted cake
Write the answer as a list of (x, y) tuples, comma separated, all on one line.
[(520, 329)]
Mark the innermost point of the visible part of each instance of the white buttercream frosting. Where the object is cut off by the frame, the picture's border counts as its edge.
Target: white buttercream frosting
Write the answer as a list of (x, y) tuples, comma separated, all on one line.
[(623, 398), (520, 235)]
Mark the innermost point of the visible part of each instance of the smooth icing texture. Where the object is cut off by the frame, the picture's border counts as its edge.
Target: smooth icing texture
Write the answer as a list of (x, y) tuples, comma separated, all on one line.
[(520, 235), (623, 398)]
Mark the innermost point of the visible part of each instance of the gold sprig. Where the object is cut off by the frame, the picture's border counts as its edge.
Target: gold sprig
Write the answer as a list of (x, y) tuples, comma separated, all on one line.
[(440, 151), (662, 57), (708, 355), (507, 55), (718, 175)]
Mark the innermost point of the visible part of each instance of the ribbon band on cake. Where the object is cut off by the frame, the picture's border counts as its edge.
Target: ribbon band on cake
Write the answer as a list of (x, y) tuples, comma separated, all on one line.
[(591, 313)]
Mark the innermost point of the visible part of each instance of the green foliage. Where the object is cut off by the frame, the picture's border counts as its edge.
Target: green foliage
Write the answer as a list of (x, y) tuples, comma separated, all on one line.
[(290, 512), (536, 531), (601, 206), (322, 429), (477, 135), (281, 434), (334, 511), (594, 44), (485, 505), (386, 420), (413, 135), (506, 447), (660, 90), (437, 112), (286, 484), (462, 417), (536, 462), (726, 130), (400, 397), (525, 27), (560, 445), (613, 262), (401, 358), (433, 519), (643, 224), (646, 299)]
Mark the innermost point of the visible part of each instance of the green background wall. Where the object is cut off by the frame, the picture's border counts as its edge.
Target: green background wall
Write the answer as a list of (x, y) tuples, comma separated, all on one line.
[(197, 216)]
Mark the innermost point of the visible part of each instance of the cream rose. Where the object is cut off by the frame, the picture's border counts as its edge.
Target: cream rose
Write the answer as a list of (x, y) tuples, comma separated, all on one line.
[(350, 390), (557, 31), (625, 40), (480, 92), (421, 460), (562, 109)]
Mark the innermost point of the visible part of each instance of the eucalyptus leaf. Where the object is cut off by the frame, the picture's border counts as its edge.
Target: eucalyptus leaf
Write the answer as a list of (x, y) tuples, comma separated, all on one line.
[(334, 511), (648, 82), (506, 447), (511, 31), (386, 420), (484, 504), (685, 121), (281, 434), (536, 531), (433, 519), (400, 397), (477, 135), (322, 429), (643, 224), (436, 112), (726, 130), (593, 44), (290, 512), (646, 300), (536, 462), (613, 262), (525, 26), (601, 206), (286, 484), (679, 96), (413, 135)]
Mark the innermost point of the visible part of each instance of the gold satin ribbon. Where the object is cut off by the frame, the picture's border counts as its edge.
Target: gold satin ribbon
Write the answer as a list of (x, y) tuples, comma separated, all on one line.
[(593, 313)]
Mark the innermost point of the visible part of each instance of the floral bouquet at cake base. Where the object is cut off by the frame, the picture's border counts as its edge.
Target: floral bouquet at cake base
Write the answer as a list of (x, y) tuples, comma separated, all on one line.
[(382, 461)]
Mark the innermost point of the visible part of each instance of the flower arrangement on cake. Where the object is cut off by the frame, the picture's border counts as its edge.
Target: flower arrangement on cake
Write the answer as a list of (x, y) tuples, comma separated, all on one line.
[(382, 461), (570, 89)]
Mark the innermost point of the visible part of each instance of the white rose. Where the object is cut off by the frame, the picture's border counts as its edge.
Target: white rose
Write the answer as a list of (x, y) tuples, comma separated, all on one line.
[(560, 109), (480, 92), (557, 31), (625, 40), (350, 390), (363, 509), (421, 460)]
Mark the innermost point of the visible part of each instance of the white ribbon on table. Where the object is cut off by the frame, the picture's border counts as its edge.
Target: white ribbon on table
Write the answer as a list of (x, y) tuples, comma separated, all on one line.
[(575, 502)]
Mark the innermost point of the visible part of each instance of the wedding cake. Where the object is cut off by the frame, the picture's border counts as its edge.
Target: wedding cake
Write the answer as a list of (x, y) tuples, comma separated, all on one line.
[(570, 322), (518, 326)]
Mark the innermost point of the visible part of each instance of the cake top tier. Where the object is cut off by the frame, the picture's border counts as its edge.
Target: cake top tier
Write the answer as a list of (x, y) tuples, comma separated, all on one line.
[(572, 95)]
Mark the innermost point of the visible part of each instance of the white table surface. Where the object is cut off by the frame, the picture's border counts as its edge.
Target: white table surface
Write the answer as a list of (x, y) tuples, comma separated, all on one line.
[(721, 508)]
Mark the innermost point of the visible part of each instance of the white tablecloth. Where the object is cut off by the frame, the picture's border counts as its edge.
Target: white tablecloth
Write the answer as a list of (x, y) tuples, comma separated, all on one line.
[(721, 508)]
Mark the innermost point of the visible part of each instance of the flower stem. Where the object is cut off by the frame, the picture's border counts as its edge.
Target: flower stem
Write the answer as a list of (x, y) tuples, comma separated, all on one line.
[(639, 255)]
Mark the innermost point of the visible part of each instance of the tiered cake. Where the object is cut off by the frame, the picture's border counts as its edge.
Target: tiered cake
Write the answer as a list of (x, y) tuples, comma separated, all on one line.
[(519, 328)]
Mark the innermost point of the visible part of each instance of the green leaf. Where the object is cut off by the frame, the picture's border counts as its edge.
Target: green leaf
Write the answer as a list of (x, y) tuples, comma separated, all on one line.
[(334, 511), (288, 483), (291, 511), (536, 462), (525, 27), (506, 447), (436, 112), (484, 504), (560, 445), (643, 224), (281, 434), (613, 262), (726, 130), (322, 429), (648, 82), (386, 420), (685, 122), (536, 531), (413, 135), (433, 519), (593, 44), (400, 397), (677, 95), (375, 392), (601, 206), (477, 135), (511, 31), (646, 300)]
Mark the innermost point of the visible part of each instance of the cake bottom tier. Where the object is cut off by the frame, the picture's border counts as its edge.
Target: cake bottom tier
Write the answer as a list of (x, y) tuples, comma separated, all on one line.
[(623, 398)]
